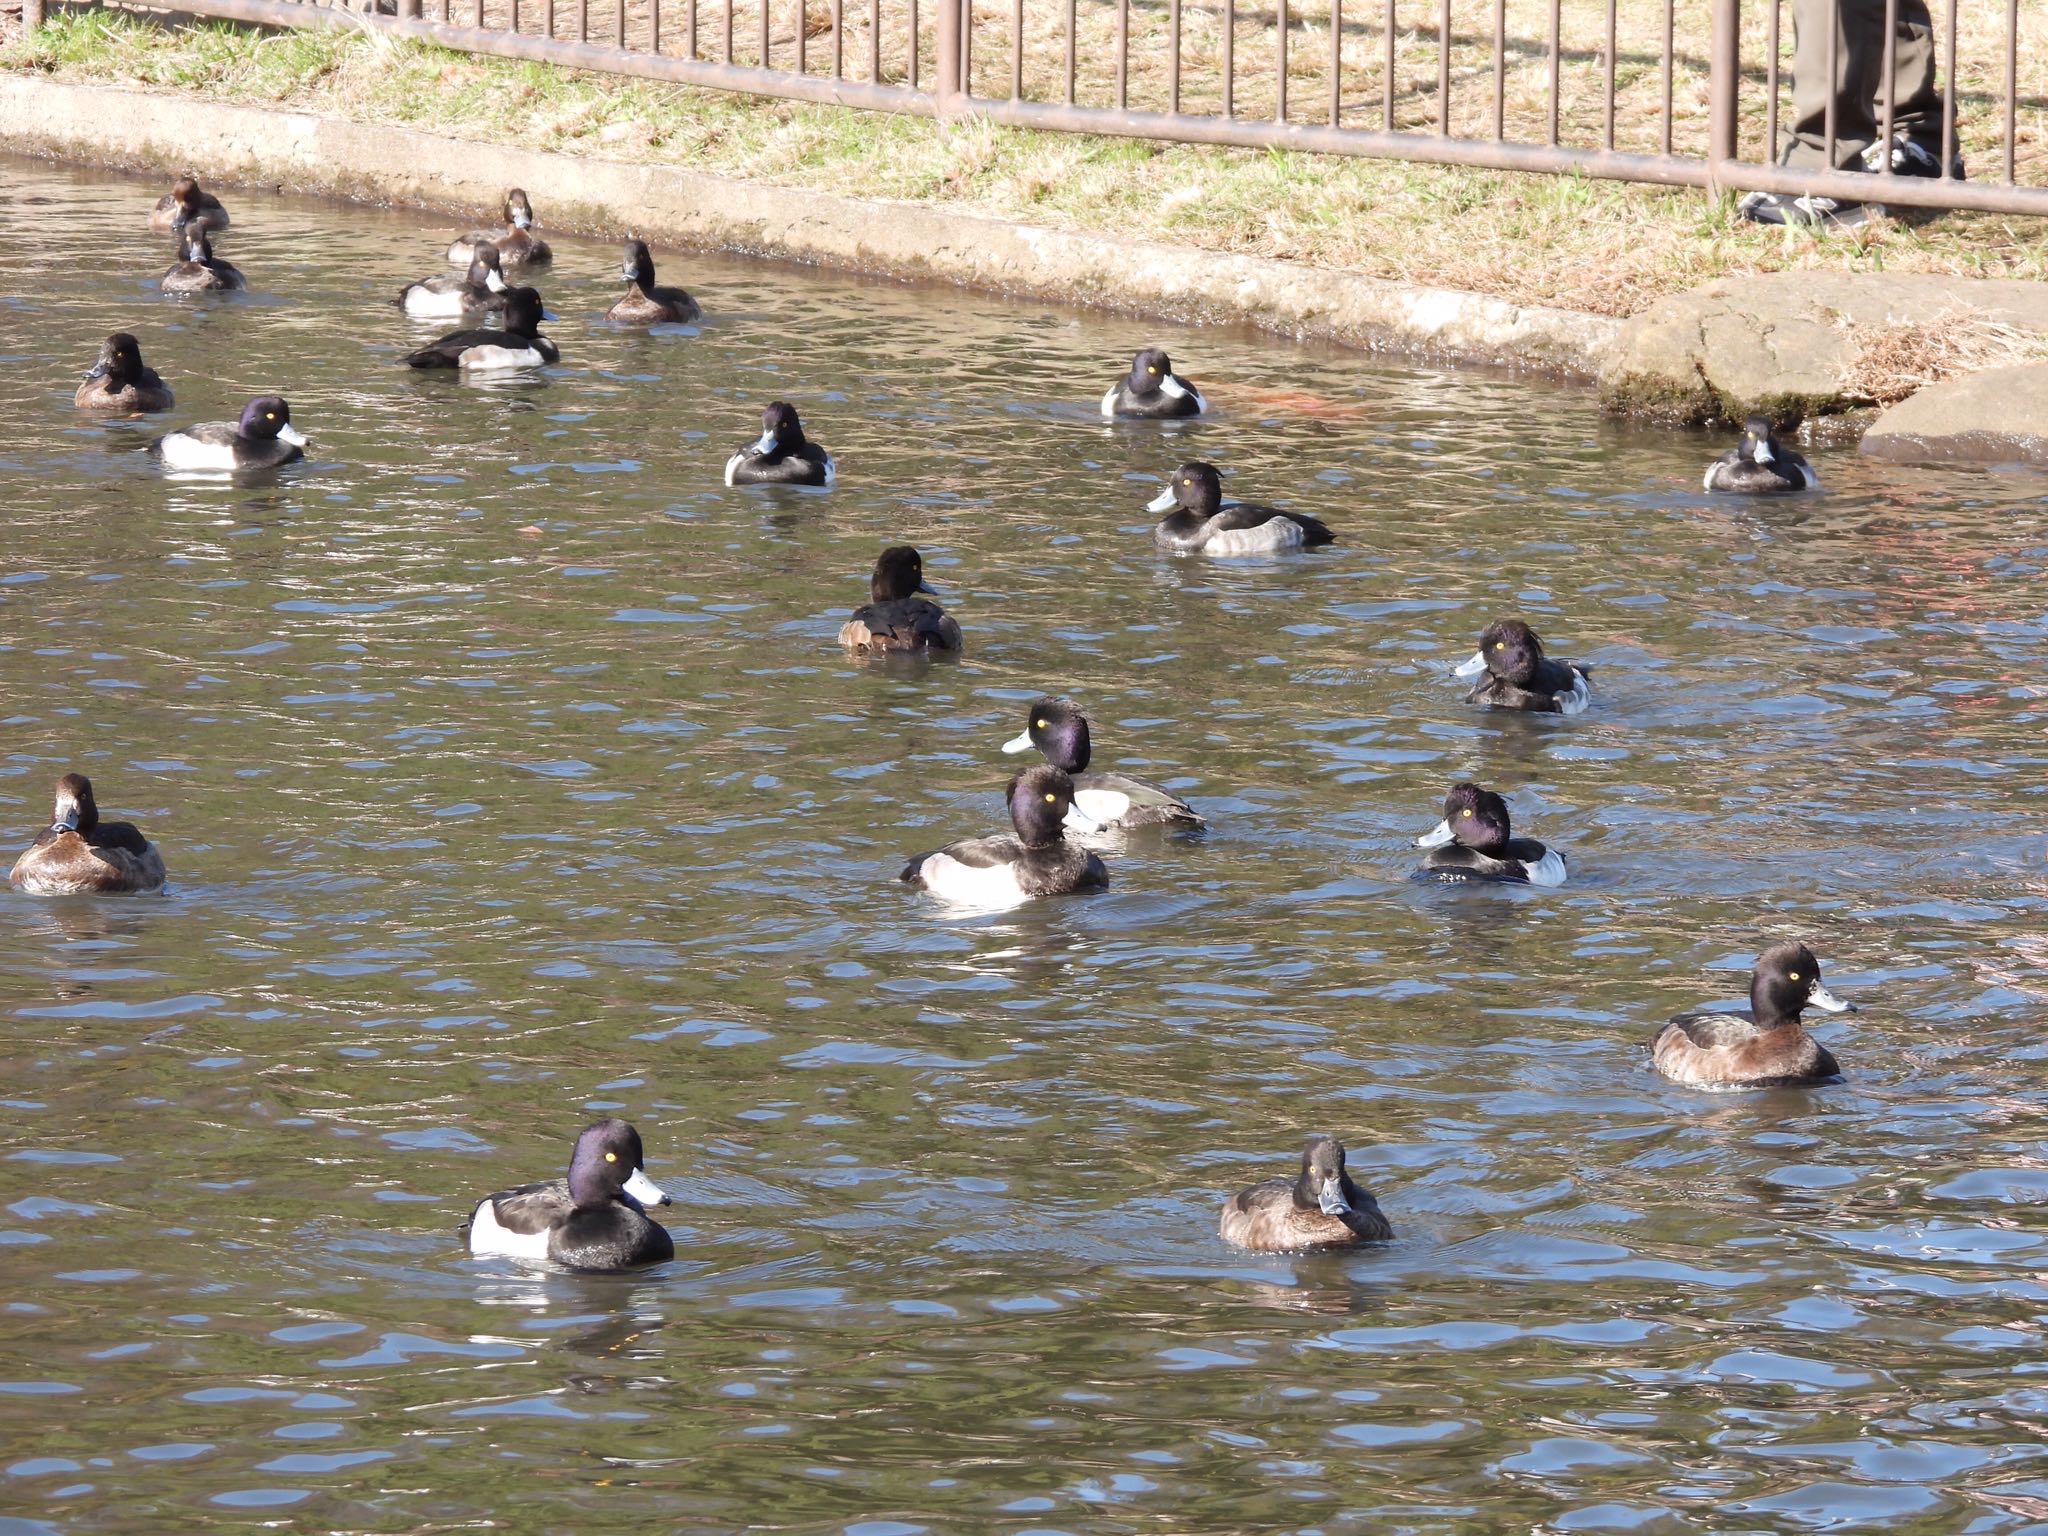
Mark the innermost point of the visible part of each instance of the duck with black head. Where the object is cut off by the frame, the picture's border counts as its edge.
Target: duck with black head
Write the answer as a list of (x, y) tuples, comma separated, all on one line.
[(781, 455), (1112, 801), (197, 269), (1152, 390), (1760, 465), (1199, 521), (186, 201), (119, 383), (595, 1219), (264, 438), (1320, 1207), (645, 303), (1475, 842), (478, 295), (518, 245), (897, 618), (1007, 871), (1515, 674), (1763, 1046), (515, 344), (78, 853)]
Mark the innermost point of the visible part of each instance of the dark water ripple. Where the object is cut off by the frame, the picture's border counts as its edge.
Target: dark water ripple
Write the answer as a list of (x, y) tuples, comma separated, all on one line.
[(508, 774)]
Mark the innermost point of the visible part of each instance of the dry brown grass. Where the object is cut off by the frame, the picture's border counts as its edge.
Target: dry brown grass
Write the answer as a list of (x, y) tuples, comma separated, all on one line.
[(1894, 361)]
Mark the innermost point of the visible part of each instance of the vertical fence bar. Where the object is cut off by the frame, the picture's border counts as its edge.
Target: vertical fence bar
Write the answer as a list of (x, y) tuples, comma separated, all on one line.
[(2012, 80), (1070, 52), (1607, 129), (838, 39), (766, 49), (1230, 57), (1387, 76), (1724, 79), (1891, 49), (690, 28), (1016, 50), (1443, 68), (1556, 61), (1336, 62), (803, 25), (1827, 116), (967, 47), (654, 25), (875, 41), (946, 52), (1771, 86), (515, 15), (621, 37), (479, 13), (1500, 69), (1280, 62), (445, 9), (1173, 59), (1123, 54), (1670, 26), (729, 4), (1948, 98), (913, 44), (547, 14)]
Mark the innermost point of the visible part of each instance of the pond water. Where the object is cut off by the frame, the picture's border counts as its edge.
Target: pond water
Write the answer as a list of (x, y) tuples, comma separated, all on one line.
[(508, 774)]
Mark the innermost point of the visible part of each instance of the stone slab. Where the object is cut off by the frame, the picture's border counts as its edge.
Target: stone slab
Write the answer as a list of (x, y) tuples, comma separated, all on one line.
[(1998, 416), (1783, 343)]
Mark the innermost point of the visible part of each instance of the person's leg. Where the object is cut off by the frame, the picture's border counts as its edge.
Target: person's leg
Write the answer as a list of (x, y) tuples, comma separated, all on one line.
[(1858, 28)]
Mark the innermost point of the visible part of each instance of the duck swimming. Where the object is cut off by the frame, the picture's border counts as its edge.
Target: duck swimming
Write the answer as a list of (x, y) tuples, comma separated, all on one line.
[(518, 245), (1764, 1046), (1153, 390), (78, 852), (1058, 728), (782, 455), (476, 295), (595, 1219), (518, 344), (120, 383), (1517, 675), (199, 270), (1760, 465), (1320, 1207), (186, 201), (1202, 522), (263, 439), (1006, 871), (645, 304), (895, 618), (1473, 842)]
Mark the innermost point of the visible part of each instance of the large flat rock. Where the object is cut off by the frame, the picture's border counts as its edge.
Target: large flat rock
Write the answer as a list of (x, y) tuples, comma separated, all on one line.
[(1999, 416), (1784, 344)]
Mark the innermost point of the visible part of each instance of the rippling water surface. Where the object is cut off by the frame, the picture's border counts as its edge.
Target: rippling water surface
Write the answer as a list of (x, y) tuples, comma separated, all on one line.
[(508, 774)]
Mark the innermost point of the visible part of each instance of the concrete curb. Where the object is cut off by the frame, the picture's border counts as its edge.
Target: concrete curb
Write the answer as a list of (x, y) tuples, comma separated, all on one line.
[(367, 162)]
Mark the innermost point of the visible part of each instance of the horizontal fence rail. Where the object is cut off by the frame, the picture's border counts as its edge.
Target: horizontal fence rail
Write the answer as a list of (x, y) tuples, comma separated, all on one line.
[(1636, 90)]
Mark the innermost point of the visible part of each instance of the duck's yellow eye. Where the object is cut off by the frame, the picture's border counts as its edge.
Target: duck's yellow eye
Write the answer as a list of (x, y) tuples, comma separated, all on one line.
[(1051, 799), (1500, 645), (270, 415), (1039, 724), (1151, 370), (1793, 974), (1466, 812), (611, 1157)]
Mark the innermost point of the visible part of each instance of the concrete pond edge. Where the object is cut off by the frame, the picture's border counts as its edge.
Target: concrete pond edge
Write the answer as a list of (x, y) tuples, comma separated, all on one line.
[(301, 152)]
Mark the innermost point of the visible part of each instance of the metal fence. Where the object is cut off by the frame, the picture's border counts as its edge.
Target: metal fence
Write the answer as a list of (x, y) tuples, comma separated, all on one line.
[(1639, 90)]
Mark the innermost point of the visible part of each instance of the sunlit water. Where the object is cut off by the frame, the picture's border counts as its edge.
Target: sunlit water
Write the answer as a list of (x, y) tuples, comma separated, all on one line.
[(507, 773)]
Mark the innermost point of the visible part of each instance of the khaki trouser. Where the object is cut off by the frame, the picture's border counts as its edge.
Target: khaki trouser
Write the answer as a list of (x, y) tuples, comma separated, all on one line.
[(1859, 79)]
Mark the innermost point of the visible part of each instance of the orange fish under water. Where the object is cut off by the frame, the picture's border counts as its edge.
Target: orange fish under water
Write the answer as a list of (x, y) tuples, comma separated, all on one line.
[(1295, 402)]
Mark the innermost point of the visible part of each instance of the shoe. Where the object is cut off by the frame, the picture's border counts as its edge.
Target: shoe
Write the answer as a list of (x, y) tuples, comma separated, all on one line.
[(1809, 212), (1910, 157)]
